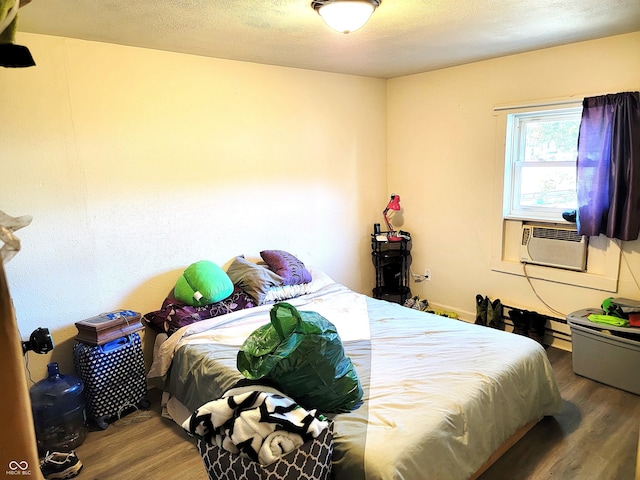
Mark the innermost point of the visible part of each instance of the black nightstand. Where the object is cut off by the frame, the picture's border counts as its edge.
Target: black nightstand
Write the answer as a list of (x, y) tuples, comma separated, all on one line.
[(391, 260)]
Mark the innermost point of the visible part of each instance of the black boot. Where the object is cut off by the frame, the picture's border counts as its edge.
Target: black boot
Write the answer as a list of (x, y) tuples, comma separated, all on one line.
[(520, 322), (482, 304), (495, 314), (537, 324)]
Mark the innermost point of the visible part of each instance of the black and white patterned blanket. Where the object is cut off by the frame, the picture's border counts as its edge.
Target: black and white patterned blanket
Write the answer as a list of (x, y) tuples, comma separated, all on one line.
[(256, 421)]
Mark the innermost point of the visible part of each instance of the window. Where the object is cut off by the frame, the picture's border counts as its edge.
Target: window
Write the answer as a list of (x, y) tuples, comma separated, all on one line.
[(537, 164), (540, 164)]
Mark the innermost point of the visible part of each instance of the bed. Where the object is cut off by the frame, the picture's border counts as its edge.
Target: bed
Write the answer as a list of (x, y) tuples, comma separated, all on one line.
[(442, 397)]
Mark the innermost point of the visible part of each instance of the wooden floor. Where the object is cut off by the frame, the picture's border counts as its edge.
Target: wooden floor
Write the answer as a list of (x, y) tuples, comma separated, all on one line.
[(595, 437)]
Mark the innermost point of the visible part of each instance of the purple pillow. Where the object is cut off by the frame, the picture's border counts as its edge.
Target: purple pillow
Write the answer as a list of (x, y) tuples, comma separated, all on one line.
[(175, 314), (287, 266)]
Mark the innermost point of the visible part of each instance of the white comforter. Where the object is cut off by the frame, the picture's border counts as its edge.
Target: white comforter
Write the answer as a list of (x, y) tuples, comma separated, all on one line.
[(440, 394)]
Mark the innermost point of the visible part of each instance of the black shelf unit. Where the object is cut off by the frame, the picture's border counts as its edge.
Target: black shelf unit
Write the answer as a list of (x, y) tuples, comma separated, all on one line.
[(391, 260)]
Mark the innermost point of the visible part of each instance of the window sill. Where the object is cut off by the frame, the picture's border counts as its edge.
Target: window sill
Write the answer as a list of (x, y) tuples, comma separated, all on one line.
[(557, 275), (532, 218)]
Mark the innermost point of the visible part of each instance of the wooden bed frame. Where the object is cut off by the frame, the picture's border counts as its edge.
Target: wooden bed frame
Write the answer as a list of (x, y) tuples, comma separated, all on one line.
[(510, 442)]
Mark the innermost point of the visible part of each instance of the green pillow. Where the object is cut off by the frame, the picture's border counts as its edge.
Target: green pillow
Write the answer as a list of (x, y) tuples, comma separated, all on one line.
[(203, 283)]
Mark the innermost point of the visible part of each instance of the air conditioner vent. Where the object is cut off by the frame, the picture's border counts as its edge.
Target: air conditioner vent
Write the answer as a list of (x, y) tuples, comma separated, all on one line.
[(554, 247), (557, 234)]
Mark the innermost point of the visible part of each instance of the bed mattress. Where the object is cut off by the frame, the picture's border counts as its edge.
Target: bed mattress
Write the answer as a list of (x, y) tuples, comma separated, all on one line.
[(440, 395)]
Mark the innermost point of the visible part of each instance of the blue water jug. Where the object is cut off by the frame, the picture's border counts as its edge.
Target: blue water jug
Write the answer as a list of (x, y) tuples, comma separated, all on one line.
[(58, 411)]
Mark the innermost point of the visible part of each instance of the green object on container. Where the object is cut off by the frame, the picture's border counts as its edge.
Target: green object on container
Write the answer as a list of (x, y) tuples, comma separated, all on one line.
[(612, 309), (303, 353), (608, 320)]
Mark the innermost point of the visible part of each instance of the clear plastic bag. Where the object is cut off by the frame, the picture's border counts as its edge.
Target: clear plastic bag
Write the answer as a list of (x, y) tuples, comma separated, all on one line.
[(9, 243)]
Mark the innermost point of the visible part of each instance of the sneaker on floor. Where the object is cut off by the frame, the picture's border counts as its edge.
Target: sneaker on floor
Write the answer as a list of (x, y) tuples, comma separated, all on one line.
[(423, 305), (60, 465), (410, 302)]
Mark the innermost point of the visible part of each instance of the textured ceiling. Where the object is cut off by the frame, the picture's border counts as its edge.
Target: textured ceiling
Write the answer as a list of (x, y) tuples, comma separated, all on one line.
[(402, 37)]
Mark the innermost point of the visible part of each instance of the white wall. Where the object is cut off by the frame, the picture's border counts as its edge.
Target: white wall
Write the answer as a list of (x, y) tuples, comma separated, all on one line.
[(135, 163), (446, 162)]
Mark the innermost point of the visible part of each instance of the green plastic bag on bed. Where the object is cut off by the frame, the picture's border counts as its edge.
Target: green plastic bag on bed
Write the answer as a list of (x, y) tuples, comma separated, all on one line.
[(303, 353)]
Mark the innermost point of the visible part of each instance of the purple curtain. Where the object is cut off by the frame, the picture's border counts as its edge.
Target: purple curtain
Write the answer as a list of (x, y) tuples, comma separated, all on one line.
[(608, 167)]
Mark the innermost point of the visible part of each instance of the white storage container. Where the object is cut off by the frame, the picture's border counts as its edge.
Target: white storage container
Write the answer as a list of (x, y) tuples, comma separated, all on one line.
[(605, 353)]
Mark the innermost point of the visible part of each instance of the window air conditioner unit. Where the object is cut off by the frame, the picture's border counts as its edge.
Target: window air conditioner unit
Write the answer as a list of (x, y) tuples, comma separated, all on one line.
[(553, 247)]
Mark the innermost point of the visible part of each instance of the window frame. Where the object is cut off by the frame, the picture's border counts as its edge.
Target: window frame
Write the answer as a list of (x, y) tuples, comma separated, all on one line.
[(514, 163), (603, 256)]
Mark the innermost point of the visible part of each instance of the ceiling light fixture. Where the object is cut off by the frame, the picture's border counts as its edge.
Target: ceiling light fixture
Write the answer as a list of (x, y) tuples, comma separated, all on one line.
[(345, 15)]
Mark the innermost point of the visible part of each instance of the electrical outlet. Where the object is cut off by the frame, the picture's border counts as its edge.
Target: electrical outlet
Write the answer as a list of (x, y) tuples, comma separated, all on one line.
[(422, 278)]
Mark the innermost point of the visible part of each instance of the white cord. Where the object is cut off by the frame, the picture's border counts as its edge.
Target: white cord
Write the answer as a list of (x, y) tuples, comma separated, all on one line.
[(26, 365), (524, 269), (141, 415), (626, 261)]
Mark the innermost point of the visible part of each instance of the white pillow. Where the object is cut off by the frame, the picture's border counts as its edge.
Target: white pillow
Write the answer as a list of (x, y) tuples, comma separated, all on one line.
[(281, 293)]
